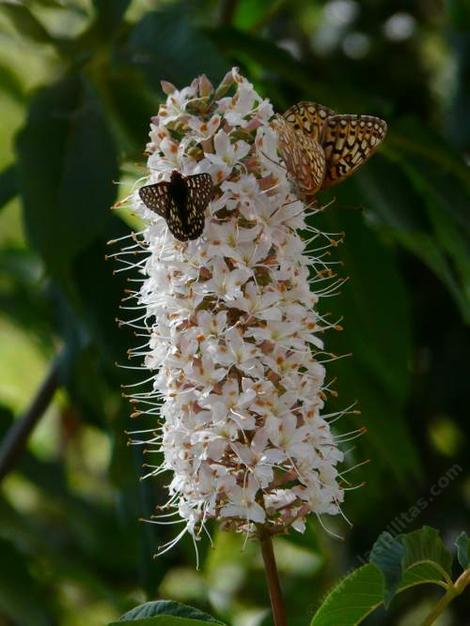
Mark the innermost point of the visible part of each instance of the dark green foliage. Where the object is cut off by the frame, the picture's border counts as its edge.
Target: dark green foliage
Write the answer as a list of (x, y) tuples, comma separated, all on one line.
[(396, 564), (79, 81), (166, 607), (67, 193)]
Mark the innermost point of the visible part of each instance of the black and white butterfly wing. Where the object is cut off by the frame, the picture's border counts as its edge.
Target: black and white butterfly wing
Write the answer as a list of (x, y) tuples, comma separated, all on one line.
[(182, 202), (157, 198), (199, 193)]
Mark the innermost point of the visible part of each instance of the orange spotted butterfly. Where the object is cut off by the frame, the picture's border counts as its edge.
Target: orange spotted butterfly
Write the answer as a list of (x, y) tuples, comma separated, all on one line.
[(347, 142)]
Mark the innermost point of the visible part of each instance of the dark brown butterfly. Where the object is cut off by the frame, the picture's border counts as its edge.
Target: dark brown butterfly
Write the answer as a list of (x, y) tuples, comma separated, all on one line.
[(347, 141), (182, 201)]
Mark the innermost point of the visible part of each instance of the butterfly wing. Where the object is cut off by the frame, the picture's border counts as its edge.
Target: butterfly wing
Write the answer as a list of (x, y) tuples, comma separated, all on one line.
[(348, 142), (303, 156), (182, 204), (199, 193), (157, 198), (309, 117)]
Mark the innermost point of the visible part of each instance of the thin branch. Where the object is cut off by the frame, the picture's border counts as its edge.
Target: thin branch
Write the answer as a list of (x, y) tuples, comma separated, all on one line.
[(272, 577), (16, 439), (453, 591)]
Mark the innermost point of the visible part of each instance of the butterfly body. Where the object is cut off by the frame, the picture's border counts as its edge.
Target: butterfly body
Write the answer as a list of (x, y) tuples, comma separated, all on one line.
[(181, 201), (346, 141), (179, 193)]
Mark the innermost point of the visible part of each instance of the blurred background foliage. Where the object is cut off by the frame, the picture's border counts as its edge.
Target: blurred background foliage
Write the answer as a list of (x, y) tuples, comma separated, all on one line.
[(79, 80)]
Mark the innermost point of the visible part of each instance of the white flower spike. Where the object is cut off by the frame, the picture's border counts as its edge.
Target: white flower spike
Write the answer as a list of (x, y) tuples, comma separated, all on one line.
[(234, 348)]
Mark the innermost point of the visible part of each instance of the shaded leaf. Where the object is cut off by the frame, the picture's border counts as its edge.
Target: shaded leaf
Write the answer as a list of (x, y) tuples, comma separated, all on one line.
[(443, 181), (387, 553), (463, 550), (165, 44), (374, 303), (132, 107), (352, 600), (400, 210), (66, 168)]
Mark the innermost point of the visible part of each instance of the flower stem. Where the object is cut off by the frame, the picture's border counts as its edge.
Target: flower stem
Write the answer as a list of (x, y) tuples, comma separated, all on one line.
[(272, 578), (452, 592)]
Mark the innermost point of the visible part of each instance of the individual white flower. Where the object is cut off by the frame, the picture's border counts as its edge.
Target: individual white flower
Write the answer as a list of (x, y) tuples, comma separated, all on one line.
[(203, 130), (225, 283), (242, 502), (233, 334), (227, 154), (175, 106)]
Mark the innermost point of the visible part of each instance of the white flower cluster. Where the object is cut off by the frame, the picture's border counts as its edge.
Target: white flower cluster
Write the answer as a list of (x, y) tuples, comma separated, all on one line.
[(234, 339)]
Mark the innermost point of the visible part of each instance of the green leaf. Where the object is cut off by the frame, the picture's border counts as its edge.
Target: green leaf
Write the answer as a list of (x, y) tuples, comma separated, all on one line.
[(8, 185), (165, 620), (251, 14), (167, 607), (66, 170), (26, 23), (387, 553), (421, 574), (266, 53), (166, 44), (402, 211), (11, 85), (374, 303), (404, 561), (130, 106), (352, 600), (463, 550), (48, 3), (426, 546), (442, 180), (411, 559)]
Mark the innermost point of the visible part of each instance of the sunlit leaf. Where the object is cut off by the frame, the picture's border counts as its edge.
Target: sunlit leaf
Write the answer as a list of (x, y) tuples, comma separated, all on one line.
[(26, 23), (352, 600), (11, 84)]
